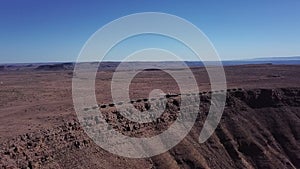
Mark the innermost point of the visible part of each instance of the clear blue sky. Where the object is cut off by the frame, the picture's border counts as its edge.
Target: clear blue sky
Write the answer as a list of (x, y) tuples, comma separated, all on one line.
[(40, 31)]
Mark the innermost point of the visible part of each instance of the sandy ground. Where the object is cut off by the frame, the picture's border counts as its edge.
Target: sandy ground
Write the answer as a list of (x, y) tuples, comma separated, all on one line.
[(35, 101), (32, 100)]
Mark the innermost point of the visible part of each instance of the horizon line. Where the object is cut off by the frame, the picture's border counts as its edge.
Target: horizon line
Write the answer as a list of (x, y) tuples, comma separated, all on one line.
[(114, 61)]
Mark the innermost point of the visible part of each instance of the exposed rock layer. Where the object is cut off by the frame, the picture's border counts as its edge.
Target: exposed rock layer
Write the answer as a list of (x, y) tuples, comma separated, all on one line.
[(259, 129)]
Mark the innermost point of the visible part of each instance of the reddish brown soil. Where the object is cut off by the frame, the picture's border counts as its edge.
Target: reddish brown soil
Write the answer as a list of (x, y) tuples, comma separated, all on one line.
[(259, 128)]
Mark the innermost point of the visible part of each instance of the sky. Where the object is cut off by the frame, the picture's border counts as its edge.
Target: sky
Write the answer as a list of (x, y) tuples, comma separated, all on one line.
[(55, 31)]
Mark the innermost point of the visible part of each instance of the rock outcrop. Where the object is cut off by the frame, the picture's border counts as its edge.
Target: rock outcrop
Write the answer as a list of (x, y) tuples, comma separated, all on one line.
[(259, 129)]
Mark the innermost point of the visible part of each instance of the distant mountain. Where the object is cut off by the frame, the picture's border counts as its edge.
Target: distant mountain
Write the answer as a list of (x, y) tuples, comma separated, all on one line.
[(108, 65), (290, 58), (294, 60)]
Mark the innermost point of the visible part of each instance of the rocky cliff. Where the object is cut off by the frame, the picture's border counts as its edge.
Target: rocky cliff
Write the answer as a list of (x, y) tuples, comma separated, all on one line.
[(259, 129)]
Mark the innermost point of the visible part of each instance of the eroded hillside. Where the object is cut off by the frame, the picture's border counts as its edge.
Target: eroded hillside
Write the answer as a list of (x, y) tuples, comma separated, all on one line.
[(259, 129)]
